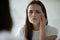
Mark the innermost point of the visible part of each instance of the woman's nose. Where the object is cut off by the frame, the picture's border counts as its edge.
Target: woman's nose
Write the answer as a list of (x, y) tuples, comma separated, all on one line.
[(33, 14)]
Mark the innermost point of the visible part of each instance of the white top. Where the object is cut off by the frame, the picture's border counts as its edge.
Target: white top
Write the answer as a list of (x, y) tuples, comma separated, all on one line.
[(6, 35), (49, 32)]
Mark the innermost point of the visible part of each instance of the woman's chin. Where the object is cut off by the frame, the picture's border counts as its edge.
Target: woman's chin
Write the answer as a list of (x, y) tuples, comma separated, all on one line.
[(35, 23)]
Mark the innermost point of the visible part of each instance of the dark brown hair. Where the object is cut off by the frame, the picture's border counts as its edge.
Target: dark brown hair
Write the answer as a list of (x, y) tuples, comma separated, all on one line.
[(5, 17), (28, 25)]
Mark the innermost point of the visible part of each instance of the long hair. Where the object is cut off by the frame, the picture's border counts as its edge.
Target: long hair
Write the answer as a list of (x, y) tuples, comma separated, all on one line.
[(5, 17), (28, 25)]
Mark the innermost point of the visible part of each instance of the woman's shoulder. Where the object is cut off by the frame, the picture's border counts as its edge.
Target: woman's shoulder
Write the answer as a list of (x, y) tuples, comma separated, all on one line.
[(21, 34), (51, 30), (22, 29), (48, 27)]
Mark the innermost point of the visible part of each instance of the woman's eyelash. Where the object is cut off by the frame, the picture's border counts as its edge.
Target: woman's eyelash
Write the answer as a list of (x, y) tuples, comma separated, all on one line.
[(37, 12), (31, 12)]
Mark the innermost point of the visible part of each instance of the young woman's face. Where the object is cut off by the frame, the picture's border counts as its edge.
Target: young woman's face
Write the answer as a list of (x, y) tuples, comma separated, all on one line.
[(34, 12)]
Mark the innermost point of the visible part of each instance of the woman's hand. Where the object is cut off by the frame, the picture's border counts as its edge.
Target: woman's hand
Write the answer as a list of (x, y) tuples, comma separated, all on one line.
[(42, 21), (42, 27)]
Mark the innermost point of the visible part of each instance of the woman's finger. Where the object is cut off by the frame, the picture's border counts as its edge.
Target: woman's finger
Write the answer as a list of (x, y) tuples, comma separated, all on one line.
[(43, 18), (40, 19)]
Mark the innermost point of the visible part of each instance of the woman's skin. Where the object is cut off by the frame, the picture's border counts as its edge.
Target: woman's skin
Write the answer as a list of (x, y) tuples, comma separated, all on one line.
[(42, 27), (37, 18)]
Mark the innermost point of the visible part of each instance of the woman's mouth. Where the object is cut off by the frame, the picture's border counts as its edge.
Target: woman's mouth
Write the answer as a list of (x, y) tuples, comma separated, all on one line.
[(33, 18)]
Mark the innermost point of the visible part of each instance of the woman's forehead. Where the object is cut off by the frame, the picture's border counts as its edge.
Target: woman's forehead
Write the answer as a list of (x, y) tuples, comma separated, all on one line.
[(34, 6)]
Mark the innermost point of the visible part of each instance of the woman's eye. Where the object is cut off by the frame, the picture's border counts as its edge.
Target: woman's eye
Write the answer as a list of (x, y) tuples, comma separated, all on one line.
[(38, 11), (30, 11)]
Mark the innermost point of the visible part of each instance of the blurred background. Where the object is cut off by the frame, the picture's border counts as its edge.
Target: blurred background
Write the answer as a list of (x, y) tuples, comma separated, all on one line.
[(18, 12)]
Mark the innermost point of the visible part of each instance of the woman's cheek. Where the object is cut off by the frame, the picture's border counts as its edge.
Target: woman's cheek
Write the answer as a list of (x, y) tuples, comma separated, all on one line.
[(38, 20)]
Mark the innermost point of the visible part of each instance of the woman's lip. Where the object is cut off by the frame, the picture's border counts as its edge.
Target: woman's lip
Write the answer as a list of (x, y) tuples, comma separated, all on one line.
[(34, 18)]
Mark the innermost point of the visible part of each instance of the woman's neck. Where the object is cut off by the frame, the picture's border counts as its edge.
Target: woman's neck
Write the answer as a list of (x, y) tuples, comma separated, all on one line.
[(36, 27)]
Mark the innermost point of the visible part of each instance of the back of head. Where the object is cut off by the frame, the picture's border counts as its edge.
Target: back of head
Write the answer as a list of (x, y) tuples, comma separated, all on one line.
[(5, 18)]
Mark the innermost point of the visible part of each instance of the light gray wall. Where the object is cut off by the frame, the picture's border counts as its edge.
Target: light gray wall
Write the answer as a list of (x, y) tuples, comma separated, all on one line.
[(18, 8)]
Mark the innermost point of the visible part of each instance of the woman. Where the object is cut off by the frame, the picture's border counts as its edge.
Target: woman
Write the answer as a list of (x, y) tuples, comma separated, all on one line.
[(5, 22), (36, 25)]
